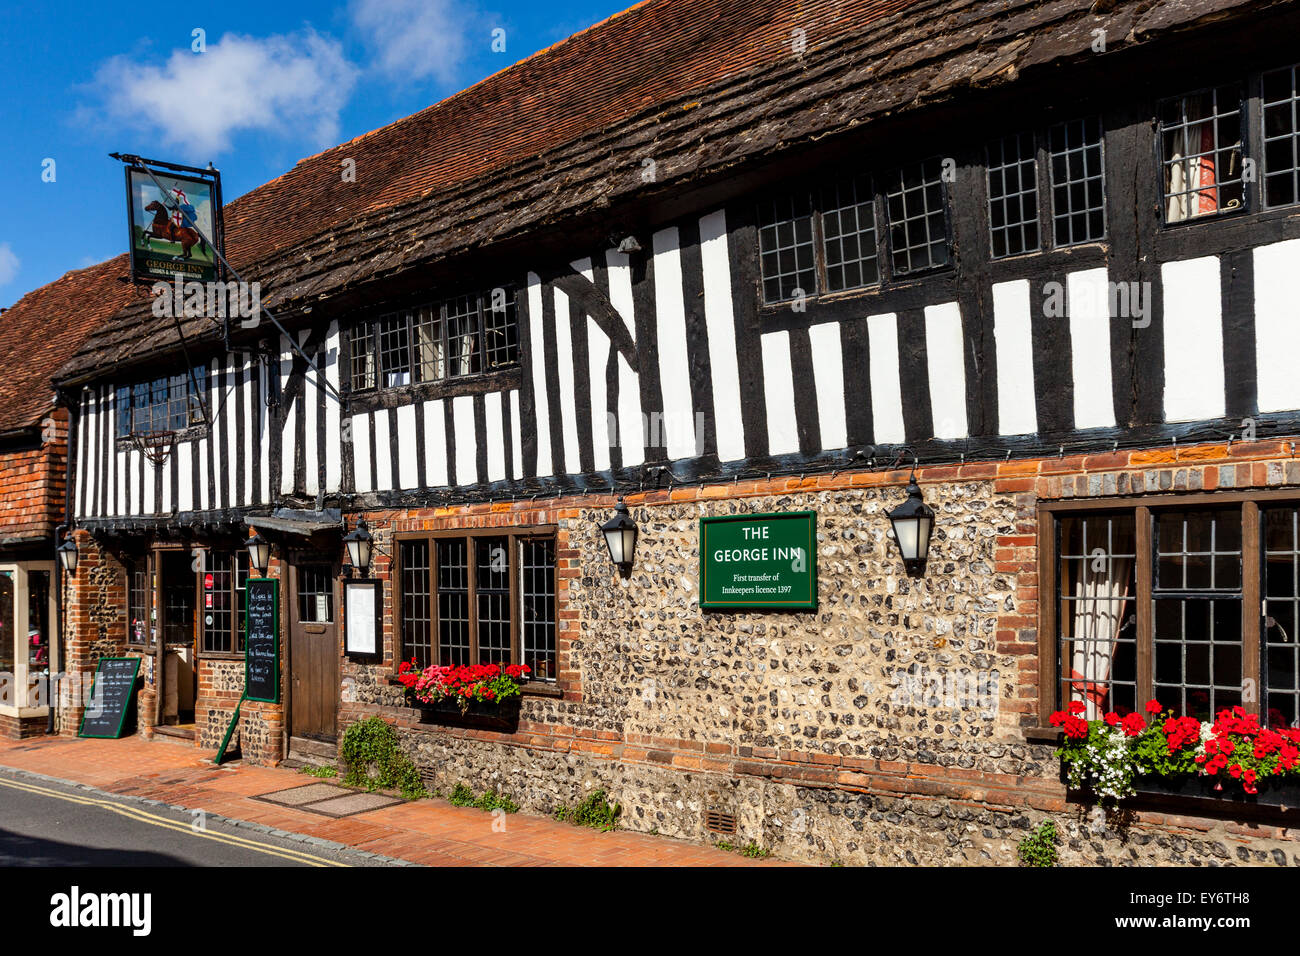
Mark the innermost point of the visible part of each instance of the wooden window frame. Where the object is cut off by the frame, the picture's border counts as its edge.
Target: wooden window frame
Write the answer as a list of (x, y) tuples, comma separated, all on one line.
[(514, 536), (1052, 689), (132, 564), (237, 649), (408, 314)]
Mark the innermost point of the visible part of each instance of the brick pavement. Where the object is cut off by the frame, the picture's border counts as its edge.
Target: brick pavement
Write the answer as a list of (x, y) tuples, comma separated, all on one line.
[(431, 832)]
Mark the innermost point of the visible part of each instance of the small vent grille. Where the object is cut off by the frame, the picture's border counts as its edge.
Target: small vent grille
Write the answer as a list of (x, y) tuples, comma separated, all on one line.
[(719, 821)]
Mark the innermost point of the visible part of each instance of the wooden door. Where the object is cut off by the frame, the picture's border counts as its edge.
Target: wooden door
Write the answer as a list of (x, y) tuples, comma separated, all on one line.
[(313, 648), (178, 599)]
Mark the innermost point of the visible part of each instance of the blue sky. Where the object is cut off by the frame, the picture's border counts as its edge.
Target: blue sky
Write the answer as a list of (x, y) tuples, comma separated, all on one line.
[(275, 82)]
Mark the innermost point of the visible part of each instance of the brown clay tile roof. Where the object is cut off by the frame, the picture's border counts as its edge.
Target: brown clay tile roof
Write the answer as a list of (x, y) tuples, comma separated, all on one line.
[(702, 85), (45, 328)]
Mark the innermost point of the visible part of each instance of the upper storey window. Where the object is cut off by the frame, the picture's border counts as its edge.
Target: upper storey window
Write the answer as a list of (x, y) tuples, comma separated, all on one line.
[(1281, 105), (1200, 143), (456, 337), (918, 218), (1078, 176), (170, 403), (826, 240), (1074, 181), (1012, 172)]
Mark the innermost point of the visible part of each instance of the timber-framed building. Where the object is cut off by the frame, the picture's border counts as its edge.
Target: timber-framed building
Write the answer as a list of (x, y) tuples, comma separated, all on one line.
[(748, 257)]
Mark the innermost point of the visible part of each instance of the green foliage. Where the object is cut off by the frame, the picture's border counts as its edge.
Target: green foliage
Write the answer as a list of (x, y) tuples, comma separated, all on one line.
[(595, 812), (496, 801), (372, 743), (462, 796), (755, 852), (724, 846), (319, 771), (1039, 847)]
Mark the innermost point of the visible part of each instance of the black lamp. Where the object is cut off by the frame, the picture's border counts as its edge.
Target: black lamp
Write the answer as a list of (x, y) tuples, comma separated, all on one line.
[(620, 537), (68, 555), (913, 521), (359, 544), (259, 554)]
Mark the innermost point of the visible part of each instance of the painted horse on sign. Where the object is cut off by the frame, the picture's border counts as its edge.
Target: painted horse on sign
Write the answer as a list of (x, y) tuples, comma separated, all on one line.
[(163, 228)]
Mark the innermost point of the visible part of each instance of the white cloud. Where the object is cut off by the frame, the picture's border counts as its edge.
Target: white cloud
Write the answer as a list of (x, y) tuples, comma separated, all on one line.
[(8, 263), (197, 101), (413, 40)]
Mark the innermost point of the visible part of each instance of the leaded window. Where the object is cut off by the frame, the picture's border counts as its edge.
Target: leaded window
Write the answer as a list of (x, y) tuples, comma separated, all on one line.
[(1192, 602), (481, 598), (224, 585), (1200, 141), (918, 219), (786, 247), (1280, 101), (169, 403), (460, 336), (1077, 180), (1012, 177)]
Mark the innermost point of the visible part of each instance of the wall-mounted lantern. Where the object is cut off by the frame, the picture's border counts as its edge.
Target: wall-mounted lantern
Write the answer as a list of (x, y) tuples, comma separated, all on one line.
[(620, 537), (913, 521), (68, 554), (360, 544), (259, 554)]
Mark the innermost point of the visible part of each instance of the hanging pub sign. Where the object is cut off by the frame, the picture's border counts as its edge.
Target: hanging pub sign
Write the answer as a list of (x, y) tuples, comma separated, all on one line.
[(174, 213), (762, 562)]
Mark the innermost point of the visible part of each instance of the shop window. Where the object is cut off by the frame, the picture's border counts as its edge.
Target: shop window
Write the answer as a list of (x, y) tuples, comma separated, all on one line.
[(1200, 142), (26, 647), (224, 581), (170, 403), (1077, 181), (464, 335), (1280, 101), (139, 604), (918, 220), (1190, 604), (38, 622), (479, 599), (1012, 178), (8, 622)]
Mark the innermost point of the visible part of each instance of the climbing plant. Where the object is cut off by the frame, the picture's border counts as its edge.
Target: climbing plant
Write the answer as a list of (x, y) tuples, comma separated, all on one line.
[(373, 758)]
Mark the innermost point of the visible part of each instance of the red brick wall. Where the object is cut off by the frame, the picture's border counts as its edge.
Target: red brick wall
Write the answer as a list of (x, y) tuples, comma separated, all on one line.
[(32, 485)]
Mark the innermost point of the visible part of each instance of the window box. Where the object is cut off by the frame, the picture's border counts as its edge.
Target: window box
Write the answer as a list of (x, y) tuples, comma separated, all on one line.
[(503, 714)]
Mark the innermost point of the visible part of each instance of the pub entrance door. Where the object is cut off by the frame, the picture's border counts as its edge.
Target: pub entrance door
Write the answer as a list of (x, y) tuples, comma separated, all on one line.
[(178, 597), (314, 652)]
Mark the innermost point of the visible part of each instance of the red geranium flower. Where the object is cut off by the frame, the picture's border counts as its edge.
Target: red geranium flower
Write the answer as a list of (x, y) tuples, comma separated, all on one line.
[(1133, 724), (1077, 707), (1153, 707)]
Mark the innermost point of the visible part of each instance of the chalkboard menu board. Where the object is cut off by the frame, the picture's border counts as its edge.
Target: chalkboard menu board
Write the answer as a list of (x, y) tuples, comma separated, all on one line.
[(262, 641), (110, 696)]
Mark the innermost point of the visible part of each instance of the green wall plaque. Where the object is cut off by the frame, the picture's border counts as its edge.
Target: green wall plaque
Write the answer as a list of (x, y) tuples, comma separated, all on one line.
[(764, 562)]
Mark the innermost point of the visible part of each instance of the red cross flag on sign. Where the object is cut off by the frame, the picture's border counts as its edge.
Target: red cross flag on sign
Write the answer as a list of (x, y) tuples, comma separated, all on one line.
[(178, 194)]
